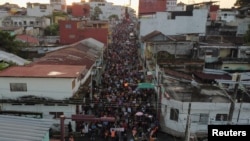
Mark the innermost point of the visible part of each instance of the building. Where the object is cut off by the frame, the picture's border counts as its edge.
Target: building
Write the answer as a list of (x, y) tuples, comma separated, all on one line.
[(59, 5), (171, 5), (191, 96), (81, 10), (50, 86), (31, 25), (151, 6), (107, 9), (195, 22), (72, 31), (39, 10)]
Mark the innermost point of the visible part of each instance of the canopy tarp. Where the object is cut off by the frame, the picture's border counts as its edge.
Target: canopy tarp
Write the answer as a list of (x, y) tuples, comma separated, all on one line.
[(145, 86)]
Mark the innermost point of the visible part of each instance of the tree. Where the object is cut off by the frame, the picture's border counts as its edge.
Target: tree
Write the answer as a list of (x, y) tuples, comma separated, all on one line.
[(114, 16), (52, 30), (9, 43), (241, 3), (95, 15)]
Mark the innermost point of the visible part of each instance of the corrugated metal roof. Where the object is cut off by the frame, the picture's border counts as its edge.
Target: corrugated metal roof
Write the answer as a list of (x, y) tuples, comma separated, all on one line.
[(45, 71), (15, 128), (13, 58)]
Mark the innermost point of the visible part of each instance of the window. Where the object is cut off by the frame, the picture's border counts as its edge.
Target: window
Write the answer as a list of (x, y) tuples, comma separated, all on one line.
[(166, 108), (17, 87), (43, 6), (68, 26), (203, 118), (221, 117), (56, 114), (174, 114)]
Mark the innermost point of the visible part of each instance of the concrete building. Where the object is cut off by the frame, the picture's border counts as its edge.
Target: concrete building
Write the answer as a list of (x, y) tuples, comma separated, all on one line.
[(39, 10), (172, 23), (108, 9), (50, 86), (75, 30), (32, 25), (171, 5), (151, 6), (59, 5), (81, 10), (190, 97)]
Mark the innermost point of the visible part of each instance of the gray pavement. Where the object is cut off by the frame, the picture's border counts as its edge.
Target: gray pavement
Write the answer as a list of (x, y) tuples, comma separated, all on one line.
[(161, 137)]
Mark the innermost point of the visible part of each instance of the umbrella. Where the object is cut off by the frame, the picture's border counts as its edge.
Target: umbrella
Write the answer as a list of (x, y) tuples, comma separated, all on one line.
[(139, 113)]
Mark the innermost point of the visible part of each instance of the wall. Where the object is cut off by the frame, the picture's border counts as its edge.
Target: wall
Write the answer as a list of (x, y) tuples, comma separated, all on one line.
[(38, 12), (56, 88), (78, 10), (177, 26), (74, 34), (150, 6), (240, 116)]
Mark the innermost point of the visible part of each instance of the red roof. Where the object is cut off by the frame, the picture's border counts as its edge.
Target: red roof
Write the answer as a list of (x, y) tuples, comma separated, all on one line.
[(44, 71), (27, 38)]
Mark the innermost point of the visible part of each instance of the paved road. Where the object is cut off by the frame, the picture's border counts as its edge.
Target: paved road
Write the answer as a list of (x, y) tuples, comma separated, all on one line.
[(161, 137)]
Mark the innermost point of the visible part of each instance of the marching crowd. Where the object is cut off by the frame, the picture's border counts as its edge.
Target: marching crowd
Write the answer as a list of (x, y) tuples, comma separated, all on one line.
[(117, 95)]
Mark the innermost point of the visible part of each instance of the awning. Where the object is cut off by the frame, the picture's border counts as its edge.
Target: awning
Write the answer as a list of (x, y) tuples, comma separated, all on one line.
[(145, 86)]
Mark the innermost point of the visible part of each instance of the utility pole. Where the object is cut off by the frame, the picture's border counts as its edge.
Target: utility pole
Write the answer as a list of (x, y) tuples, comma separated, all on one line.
[(187, 131), (232, 106)]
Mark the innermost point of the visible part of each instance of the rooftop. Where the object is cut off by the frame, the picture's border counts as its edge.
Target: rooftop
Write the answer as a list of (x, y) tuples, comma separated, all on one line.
[(44, 71), (15, 128)]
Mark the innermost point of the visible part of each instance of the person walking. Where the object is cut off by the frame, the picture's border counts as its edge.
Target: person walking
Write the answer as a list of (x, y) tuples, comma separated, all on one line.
[(153, 134), (113, 135)]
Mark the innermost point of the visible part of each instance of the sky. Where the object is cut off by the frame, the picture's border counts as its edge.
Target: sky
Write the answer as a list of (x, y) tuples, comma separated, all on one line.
[(22, 3)]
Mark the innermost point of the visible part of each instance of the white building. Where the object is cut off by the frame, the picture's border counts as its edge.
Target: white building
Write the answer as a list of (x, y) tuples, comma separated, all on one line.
[(108, 9), (171, 5), (62, 81), (227, 15), (36, 24), (3, 14), (50, 86), (59, 5), (170, 23), (39, 10)]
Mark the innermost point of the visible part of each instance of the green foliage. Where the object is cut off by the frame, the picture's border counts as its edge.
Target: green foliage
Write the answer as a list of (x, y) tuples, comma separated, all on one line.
[(3, 65), (8, 42), (95, 15), (52, 30), (113, 17), (241, 3)]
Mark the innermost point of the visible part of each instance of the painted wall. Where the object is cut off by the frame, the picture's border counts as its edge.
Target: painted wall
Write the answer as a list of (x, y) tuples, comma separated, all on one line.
[(39, 10), (56, 88), (76, 33), (180, 25), (151, 6), (80, 10), (240, 116)]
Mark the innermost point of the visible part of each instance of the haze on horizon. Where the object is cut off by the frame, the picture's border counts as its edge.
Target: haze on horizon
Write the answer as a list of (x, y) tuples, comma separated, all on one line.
[(222, 3)]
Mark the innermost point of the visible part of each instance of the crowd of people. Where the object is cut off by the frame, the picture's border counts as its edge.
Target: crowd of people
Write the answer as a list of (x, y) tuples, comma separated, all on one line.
[(117, 94)]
